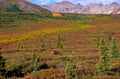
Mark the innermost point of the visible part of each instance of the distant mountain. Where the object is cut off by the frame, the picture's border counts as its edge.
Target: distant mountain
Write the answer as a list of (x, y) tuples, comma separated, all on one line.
[(20, 6), (64, 7), (68, 7)]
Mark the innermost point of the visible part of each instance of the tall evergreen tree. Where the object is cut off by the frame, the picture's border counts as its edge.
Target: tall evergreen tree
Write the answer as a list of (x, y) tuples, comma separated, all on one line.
[(2, 65), (110, 36), (103, 65), (59, 41), (36, 64), (114, 53), (42, 43)]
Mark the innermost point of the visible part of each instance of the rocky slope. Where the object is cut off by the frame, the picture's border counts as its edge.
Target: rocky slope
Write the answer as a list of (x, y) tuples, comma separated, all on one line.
[(19, 6), (68, 7)]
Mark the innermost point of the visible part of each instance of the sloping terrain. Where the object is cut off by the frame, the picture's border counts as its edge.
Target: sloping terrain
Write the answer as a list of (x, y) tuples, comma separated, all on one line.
[(68, 7), (80, 38), (20, 6)]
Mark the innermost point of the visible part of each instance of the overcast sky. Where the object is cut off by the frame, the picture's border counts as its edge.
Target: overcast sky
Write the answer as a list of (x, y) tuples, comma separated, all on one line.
[(84, 2)]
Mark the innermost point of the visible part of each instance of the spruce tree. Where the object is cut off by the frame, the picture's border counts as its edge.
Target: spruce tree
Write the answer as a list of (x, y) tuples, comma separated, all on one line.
[(34, 56), (42, 44), (71, 70), (59, 41), (114, 53), (2, 65), (36, 65), (103, 65), (110, 36)]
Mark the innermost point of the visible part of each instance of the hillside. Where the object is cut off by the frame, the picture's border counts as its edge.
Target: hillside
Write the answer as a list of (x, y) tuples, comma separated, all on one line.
[(26, 36), (20, 6), (68, 7)]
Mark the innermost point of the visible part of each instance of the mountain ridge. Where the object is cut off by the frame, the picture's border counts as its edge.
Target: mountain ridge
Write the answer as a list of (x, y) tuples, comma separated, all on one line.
[(62, 7), (69, 7), (20, 5)]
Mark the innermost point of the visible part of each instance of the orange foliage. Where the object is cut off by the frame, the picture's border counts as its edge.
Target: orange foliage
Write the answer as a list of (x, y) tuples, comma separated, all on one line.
[(56, 14)]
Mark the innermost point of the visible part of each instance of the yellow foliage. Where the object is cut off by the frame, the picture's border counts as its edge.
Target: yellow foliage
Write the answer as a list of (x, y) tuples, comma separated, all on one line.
[(36, 33), (55, 14)]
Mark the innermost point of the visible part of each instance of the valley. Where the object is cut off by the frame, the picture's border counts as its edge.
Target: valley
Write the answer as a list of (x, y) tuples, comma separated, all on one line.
[(76, 37)]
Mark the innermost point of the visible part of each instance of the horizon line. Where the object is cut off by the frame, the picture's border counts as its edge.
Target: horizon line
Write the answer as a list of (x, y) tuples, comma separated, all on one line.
[(71, 2)]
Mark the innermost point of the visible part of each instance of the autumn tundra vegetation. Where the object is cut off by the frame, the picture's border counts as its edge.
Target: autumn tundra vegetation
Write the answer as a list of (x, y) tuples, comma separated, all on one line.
[(71, 46)]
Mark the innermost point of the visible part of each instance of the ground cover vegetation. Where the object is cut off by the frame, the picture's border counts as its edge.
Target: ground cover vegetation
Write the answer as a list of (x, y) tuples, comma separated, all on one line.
[(72, 46)]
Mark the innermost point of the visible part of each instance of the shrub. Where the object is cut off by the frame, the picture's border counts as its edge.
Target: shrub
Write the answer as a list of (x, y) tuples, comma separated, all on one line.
[(71, 70), (16, 71), (2, 66), (64, 58)]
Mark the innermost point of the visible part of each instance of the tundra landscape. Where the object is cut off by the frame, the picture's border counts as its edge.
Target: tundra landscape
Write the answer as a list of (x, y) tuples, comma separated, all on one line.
[(37, 42)]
